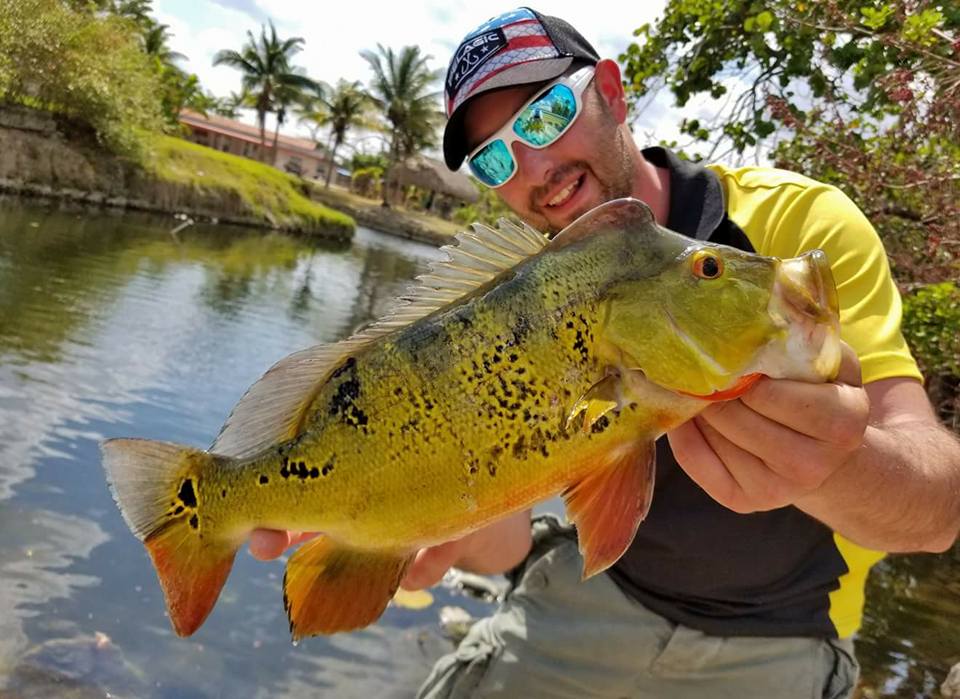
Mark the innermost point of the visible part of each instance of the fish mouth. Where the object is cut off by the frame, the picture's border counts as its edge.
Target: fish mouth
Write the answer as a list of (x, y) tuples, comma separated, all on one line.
[(805, 303), (808, 288)]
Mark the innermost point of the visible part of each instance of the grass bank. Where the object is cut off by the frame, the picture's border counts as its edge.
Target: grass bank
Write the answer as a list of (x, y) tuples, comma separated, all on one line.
[(278, 198), (398, 221)]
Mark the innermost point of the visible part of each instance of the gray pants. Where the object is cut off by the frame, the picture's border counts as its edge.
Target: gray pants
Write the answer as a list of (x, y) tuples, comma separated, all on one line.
[(555, 636)]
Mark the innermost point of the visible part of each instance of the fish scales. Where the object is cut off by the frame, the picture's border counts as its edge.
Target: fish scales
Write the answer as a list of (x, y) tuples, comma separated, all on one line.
[(434, 424), (518, 371)]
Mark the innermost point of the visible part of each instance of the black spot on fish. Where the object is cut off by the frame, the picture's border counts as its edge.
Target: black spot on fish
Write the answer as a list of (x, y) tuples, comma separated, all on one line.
[(186, 494), (600, 425), (492, 469), (328, 467), (263, 479), (223, 493), (347, 366), (314, 472), (519, 448), (194, 521), (580, 346), (178, 511)]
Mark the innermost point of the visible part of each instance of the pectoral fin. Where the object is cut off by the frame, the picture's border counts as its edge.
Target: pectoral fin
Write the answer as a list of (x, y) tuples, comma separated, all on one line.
[(599, 399), (329, 588), (608, 505)]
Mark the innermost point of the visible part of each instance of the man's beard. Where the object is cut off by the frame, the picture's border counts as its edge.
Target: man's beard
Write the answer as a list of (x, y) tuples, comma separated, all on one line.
[(614, 173)]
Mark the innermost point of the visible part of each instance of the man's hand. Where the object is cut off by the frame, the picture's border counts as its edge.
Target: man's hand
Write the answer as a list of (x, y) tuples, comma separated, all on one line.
[(778, 442), (266, 544), (493, 549)]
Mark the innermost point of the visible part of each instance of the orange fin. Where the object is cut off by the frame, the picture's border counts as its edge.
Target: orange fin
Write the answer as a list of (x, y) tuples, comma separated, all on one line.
[(743, 384), (329, 588), (608, 505), (161, 489), (191, 572)]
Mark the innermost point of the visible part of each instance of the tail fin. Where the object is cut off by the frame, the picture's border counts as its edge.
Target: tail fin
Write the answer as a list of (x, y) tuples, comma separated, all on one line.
[(160, 490)]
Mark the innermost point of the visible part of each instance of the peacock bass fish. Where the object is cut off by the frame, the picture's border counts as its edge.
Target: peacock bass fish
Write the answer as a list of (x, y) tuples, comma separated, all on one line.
[(519, 369)]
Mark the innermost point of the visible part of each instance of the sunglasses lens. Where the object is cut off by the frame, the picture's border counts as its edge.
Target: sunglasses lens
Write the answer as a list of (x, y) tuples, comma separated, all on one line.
[(545, 120), (494, 164)]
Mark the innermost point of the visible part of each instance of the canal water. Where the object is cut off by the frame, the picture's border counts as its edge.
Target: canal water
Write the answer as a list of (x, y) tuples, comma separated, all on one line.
[(113, 325)]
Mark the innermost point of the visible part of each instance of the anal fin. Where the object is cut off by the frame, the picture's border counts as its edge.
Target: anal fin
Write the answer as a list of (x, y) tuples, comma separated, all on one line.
[(608, 505), (329, 588)]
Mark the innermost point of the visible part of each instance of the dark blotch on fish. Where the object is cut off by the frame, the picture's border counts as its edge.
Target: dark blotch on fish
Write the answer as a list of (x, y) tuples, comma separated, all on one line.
[(186, 494)]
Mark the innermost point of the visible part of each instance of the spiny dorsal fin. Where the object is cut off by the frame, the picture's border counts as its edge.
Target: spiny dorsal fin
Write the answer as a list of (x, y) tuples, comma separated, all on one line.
[(272, 409), (625, 214)]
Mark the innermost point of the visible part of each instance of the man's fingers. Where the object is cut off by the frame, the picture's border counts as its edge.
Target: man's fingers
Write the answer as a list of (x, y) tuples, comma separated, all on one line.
[(430, 565), (849, 372), (704, 467), (267, 544)]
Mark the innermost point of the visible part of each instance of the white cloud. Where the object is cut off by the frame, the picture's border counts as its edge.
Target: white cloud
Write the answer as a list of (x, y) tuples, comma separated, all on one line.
[(335, 33)]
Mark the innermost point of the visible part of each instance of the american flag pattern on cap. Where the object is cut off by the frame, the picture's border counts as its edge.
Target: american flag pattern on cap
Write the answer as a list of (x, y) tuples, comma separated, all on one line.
[(505, 41)]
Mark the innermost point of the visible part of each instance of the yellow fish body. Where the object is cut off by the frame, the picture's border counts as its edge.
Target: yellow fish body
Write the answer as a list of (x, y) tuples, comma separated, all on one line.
[(521, 369)]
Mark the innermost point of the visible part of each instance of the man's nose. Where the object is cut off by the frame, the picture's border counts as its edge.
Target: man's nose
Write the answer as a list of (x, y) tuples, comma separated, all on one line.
[(534, 163)]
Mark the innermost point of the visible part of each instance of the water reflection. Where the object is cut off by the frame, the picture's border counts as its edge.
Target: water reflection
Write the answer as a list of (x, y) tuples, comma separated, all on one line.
[(111, 326)]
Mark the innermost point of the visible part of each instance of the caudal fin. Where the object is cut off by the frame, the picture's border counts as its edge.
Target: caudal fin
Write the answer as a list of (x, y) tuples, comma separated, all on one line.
[(160, 490)]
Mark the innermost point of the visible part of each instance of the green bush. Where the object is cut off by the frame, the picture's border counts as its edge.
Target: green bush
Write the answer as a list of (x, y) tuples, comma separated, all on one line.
[(488, 209), (931, 324), (366, 181), (79, 64)]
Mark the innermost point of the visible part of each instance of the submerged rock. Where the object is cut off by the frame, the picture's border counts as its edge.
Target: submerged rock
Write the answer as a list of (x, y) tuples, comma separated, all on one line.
[(950, 688), (76, 668)]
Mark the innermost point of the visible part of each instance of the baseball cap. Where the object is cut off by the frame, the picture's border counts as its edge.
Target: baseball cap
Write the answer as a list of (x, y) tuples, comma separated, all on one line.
[(517, 47)]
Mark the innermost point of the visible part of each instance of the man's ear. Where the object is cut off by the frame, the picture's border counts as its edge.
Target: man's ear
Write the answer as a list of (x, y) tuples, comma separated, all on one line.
[(610, 88)]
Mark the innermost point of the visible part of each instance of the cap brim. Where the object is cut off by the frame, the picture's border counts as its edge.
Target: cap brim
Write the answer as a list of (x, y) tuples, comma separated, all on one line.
[(454, 142)]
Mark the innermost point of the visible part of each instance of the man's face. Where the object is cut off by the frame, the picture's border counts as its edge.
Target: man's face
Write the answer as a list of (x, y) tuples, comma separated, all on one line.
[(586, 166)]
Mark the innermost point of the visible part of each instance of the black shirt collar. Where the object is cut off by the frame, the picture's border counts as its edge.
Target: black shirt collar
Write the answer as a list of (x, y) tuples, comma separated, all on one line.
[(696, 197)]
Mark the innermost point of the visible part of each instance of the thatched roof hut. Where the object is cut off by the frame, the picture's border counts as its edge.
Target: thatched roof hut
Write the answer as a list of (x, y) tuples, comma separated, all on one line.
[(434, 176)]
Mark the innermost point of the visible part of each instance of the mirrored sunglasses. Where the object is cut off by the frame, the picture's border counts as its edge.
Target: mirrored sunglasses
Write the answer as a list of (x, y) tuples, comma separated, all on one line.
[(538, 123)]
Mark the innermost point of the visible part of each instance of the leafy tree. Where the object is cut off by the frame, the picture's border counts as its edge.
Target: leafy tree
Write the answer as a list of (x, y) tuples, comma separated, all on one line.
[(268, 75), (402, 88), (80, 64), (863, 94)]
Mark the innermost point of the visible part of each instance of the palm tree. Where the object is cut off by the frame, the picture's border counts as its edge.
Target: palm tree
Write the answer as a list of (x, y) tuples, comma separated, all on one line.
[(229, 106), (136, 10), (402, 88), (345, 107), (268, 74), (155, 38)]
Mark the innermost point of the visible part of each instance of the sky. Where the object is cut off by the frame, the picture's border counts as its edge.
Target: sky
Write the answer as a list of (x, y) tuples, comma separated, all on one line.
[(336, 32)]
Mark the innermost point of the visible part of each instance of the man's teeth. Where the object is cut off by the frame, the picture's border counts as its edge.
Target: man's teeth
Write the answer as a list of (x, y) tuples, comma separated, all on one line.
[(564, 194)]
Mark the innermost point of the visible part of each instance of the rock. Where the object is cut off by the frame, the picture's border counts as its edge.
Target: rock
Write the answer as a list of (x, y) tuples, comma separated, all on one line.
[(455, 623), (479, 586), (950, 689)]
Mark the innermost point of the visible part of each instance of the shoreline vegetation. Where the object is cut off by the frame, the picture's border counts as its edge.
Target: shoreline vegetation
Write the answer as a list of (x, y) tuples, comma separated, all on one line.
[(38, 159)]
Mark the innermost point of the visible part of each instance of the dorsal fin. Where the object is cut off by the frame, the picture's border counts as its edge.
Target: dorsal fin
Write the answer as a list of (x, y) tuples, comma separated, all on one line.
[(626, 214), (272, 409)]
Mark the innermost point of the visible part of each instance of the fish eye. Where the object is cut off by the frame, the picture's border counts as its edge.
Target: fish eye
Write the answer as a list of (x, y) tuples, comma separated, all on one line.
[(707, 265)]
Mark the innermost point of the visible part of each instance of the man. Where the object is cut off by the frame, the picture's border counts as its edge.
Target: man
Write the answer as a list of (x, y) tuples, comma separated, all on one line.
[(746, 579)]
